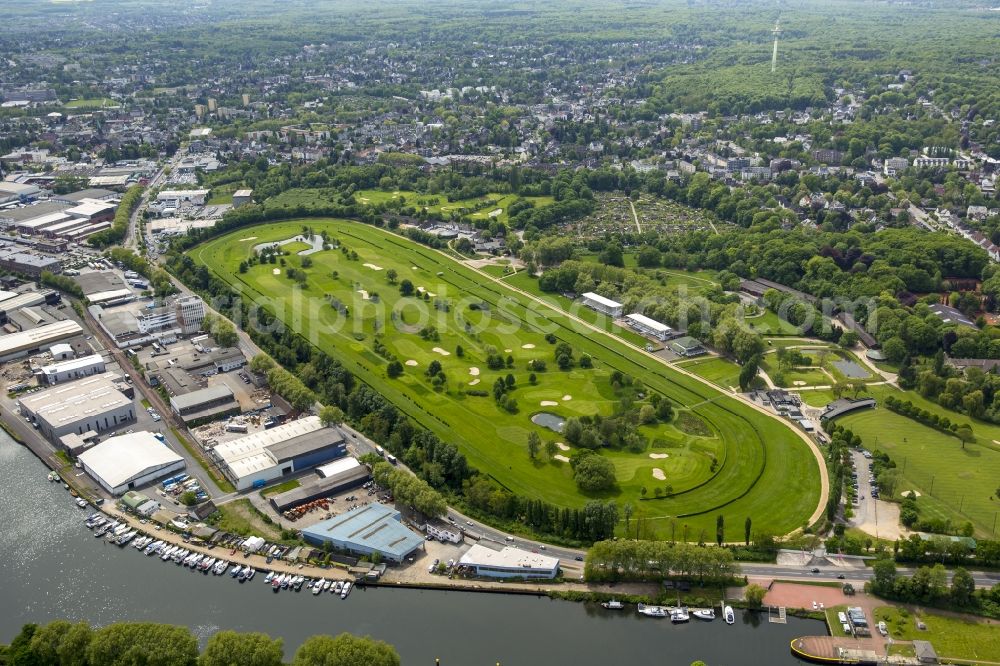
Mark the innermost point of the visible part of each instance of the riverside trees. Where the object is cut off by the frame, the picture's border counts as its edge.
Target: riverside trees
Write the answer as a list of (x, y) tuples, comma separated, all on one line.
[(655, 560)]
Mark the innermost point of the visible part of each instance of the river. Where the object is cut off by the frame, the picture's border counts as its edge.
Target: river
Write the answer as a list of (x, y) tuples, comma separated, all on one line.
[(53, 568)]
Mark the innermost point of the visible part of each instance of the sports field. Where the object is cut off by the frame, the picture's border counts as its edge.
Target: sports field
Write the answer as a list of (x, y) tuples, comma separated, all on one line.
[(490, 206), (953, 482), (763, 470)]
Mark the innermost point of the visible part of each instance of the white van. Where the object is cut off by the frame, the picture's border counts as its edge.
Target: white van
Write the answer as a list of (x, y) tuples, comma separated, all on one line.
[(379, 450)]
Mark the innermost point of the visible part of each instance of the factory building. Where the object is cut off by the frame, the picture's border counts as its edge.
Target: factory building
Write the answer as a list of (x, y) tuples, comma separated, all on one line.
[(122, 463), (262, 457), (205, 404), (92, 404), (372, 528), (16, 345), (76, 368), (331, 479)]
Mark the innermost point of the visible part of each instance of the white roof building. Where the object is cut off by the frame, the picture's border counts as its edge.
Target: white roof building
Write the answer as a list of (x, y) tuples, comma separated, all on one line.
[(125, 462), (509, 562), (602, 304), (644, 324), (73, 368), (19, 344), (93, 403)]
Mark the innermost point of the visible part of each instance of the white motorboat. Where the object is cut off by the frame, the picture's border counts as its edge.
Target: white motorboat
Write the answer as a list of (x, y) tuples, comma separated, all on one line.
[(729, 615), (250, 573), (268, 578), (652, 611), (346, 591), (235, 571), (704, 613), (679, 615), (318, 586), (167, 552), (613, 605), (220, 567), (338, 587)]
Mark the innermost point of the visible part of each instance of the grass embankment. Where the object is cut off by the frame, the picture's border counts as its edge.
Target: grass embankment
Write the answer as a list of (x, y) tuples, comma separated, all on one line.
[(487, 207), (954, 482), (280, 488), (763, 469), (220, 480)]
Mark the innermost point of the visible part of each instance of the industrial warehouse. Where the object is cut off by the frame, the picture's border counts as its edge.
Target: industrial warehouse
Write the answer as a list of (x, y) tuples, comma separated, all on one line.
[(509, 562), (330, 479), (372, 528), (255, 460), (129, 461), (94, 404), (16, 345)]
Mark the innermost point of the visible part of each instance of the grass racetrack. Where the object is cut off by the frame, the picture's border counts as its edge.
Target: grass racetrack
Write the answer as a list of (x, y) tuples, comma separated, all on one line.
[(763, 470)]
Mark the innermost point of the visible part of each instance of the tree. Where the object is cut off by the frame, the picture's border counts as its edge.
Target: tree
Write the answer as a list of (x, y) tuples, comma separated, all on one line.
[(720, 529), (594, 473), (647, 414), (391, 275), (534, 444), (406, 288), (188, 498), (627, 512), (963, 586), (131, 643), (395, 369), (331, 415), (345, 650), (746, 530), (964, 433), (884, 576), (748, 373), (551, 449), (228, 648), (754, 595)]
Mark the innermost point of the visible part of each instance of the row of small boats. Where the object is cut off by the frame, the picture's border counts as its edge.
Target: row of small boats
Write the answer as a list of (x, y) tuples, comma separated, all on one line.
[(121, 533), (677, 614)]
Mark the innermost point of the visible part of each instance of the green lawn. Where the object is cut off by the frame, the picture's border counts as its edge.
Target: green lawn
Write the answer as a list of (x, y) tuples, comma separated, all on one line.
[(222, 194), (718, 370), (90, 103), (240, 517), (952, 637), (486, 207), (954, 483), (280, 488), (764, 470), (818, 398)]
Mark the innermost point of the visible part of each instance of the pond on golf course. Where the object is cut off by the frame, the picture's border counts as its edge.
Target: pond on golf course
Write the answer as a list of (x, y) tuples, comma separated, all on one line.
[(851, 370), (551, 421)]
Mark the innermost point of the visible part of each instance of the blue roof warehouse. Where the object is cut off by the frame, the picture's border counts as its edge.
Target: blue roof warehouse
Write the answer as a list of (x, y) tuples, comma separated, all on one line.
[(373, 528)]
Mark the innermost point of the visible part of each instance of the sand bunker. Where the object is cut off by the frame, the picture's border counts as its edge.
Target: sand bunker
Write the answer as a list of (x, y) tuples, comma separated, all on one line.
[(443, 352), (658, 474), (548, 403), (562, 458), (276, 271), (474, 372), (798, 383), (364, 294), (364, 199), (567, 398), (562, 447), (528, 346), (657, 456), (414, 268), (473, 382), (250, 238), (507, 351), (411, 363), (372, 266), (910, 493)]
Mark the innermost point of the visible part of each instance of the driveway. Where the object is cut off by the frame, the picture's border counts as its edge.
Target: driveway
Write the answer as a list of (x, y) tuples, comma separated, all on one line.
[(871, 516)]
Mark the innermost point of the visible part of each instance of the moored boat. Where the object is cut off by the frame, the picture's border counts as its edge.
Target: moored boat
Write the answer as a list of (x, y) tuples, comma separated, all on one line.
[(318, 586), (729, 615), (652, 611), (679, 615), (613, 605), (704, 613), (346, 591)]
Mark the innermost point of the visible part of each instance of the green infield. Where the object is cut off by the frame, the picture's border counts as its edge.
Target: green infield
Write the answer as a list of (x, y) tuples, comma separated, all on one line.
[(718, 455), (90, 103), (717, 370), (954, 482)]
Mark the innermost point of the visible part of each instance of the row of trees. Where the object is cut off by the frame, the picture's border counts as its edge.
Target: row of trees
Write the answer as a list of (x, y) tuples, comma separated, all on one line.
[(62, 643), (409, 490), (929, 586), (284, 383), (932, 419), (621, 560), (123, 216)]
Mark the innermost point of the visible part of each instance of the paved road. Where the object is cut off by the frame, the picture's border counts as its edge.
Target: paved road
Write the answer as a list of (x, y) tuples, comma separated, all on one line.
[(850, 574), (132, 235)]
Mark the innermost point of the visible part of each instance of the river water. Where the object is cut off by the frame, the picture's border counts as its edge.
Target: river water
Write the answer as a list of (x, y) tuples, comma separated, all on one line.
[(51, 567)]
